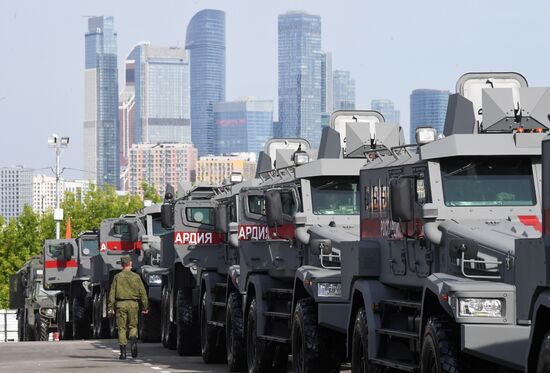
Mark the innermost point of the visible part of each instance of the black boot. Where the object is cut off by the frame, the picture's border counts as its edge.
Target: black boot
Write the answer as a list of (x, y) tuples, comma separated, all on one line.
[(133, 347), (122, 353)]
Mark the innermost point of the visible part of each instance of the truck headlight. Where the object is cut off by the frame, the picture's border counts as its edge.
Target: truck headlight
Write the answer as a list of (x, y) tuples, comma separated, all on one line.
[(49, 312), (329, 289), (155, 279), (480, 307)]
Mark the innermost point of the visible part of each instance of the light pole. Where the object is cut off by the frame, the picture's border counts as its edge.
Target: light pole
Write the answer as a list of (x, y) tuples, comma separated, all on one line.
[(58, 143)]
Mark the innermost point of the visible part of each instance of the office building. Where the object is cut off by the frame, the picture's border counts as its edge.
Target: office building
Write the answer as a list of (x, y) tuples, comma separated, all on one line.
[(15, 191), (159, 165), (428, 108), (205, 42), (162, 94), (214, 169), (299, 63), (126, 113), (343, 90), (384, 106), (101, 130), (243, 125), (326, 83), (44, 191)]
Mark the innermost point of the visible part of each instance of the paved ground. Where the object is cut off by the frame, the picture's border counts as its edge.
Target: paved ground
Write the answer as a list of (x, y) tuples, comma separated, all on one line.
[(95, 356)]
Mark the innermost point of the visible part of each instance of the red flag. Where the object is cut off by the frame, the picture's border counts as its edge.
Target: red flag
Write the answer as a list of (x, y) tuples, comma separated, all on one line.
[(68, 232)]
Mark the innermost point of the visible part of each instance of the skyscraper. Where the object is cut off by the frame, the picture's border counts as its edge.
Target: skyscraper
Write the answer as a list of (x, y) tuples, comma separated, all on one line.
[(384, 106), (101, 130), (243, 125), (343, 90), (428, 108), (300, 60), (327, 100), (126, 112), (161, 94), (205, 42)]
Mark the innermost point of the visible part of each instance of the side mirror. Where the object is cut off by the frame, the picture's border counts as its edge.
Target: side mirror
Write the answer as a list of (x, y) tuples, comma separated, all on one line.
[(167, 215), (68, 251), (134, 232), (401, 199), (221, 219), (273, 208), (320, 246)]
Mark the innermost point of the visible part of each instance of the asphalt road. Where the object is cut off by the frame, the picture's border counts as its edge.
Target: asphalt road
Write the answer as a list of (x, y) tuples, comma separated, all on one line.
[(96, 356)]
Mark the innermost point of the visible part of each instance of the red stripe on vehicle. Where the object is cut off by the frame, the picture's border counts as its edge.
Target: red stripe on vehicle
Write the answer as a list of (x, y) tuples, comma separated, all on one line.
[(198, 238), (120, 246), (261, 232), (49, 264), (531, 220)]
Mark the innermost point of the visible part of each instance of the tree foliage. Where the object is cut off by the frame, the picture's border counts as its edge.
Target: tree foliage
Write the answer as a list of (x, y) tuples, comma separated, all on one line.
[(23, 237)]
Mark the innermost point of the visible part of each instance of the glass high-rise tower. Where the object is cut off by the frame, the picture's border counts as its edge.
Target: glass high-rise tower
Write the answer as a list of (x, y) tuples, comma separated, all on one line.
[(386, 107), (300, 80), (161, 94), (101, 130), (343, 90), (428, 108), (205, 41)]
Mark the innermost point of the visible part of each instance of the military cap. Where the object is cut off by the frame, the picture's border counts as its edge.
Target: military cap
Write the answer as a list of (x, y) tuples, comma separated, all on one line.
[(125, 260)]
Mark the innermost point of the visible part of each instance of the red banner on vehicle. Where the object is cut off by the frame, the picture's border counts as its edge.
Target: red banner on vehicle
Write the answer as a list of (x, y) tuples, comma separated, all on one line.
[(531, 220), (120, 246), (198, 238), (50, 264), (260, 232)]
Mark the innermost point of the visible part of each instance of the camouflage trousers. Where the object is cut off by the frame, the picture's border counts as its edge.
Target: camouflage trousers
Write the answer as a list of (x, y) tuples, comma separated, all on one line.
[(127, 320)]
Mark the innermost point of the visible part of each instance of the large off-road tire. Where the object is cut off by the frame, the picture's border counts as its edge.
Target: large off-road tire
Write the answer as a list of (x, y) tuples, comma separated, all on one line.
[(40, 327), (311, 345), (212, 338), (101, 324), (20, 326), (234, 333), (359, 347), (30, 333), (64, 327), (543, 362), (169, 328), (150, 324), (81, 319), (440, 353), (188, 332), (262, 356)]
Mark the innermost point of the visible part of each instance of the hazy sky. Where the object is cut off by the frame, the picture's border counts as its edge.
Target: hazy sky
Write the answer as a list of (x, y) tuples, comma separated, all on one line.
[(391, 48)]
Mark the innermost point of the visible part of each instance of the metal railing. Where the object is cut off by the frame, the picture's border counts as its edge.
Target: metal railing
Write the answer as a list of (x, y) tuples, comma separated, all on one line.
[(8, 326)]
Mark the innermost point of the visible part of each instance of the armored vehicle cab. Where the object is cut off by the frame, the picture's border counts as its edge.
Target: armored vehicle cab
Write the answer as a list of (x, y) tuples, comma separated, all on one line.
[(432, 282), (35, 305), (193, 245), (67, 269)]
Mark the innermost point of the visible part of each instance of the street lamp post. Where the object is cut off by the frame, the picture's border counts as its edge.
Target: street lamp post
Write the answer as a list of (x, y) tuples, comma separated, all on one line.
[(58, 143)]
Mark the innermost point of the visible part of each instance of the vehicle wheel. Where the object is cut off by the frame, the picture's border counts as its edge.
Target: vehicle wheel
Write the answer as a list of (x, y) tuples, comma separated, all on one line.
[(95, 317), (234, 338), (41, 328), (171, 331), (359, 346), (188, 333), (543, 363), (149, 325), (64, 327), (262, 356), (439, 348), (311, 347), (81, 319), (212, 343), (105, 322), (20, 323)]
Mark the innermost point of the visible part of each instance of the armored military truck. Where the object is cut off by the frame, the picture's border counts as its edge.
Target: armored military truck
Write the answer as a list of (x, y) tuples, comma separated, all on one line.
[(67, 269), (35, 305), (302, 214), (434, 284), (185, 253), (138, 237)]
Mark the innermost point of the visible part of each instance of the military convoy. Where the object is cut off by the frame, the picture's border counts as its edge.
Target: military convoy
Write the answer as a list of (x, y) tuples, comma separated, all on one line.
[(424, 257)]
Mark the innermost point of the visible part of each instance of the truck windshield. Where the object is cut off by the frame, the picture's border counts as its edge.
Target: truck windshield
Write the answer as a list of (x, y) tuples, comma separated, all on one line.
[(335, 195), (488, 181), (89, 247)]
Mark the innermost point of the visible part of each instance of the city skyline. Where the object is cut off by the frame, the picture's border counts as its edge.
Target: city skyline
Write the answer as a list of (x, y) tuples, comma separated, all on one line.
[(253, 70)]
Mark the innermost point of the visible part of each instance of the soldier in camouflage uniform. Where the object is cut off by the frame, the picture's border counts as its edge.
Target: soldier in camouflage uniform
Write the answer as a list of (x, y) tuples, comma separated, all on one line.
[(126, 295)]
